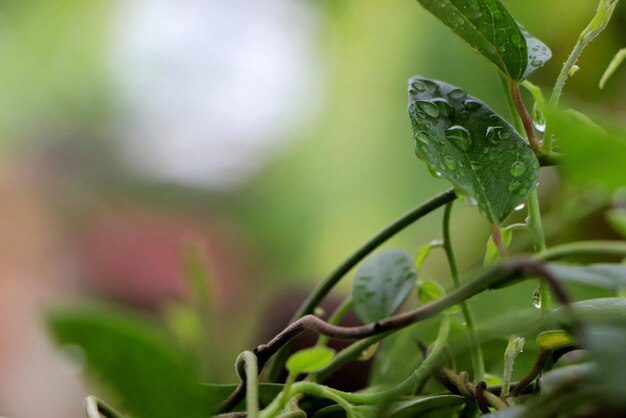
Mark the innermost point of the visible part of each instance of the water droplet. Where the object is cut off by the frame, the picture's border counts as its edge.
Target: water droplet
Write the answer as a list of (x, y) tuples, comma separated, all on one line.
[(457, 94), (539, 121), (460, 137), (457, 20), (518, 168), (444, 107), (450, 163), (422, 137), (536, 63), (517, 40), (420, 114), (514, 185), (502, 48), (519, 207), (431, 87), (493, 134), (537, 299), (476, 166), (418, 86), (464, 114), (433, 171), (472, 105), (429, 108)]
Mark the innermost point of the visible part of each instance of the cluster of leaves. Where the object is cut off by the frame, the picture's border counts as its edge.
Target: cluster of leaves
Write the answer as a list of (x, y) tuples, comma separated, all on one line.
[(492, 164)]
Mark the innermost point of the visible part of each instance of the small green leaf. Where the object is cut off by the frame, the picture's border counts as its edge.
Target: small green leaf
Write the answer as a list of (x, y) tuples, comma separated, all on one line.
[(486, 160), (591, 156), (382, 283), (608, 276), (553, 340), (492, 254), (134, 359), (422, 405), (310, 360), (489, 29)]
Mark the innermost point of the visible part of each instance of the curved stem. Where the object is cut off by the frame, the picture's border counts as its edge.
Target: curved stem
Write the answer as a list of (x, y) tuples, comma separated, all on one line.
[(598, 23), (336, 318), (252, 395), (329, 282), (304, 388), (497, 276), (478, 363)]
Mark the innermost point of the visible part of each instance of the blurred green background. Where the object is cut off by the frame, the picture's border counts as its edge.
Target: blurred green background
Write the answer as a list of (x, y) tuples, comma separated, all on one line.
[(273, 136)]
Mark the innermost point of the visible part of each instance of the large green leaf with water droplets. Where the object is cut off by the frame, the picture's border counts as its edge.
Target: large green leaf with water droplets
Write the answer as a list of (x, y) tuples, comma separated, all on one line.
[(382, 283), (466, 142), (489, 29)]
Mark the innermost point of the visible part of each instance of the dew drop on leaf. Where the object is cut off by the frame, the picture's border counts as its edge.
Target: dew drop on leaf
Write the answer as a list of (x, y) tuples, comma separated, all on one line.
[(422, 137), (460, 137), (493, 134), (518, 168), (457, 94), (450, 163), (429, 108), (539, 121), (514, 185)]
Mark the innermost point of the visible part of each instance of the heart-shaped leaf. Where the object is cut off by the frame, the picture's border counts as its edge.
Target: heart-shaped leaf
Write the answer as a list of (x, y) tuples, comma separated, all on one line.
[(489, 29), (310, 360), (608, 276), (382, 283), (466, 142)]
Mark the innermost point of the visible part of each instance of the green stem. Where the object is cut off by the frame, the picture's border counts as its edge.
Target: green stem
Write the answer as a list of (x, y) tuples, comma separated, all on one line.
[(329, 282), (304, 388), (478, 363), (539, 243), (252, 394), (347, 354), (598, 24)]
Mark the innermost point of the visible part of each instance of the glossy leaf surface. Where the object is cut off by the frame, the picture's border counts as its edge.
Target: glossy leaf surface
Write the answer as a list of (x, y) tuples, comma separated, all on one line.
[(601, 310), (552, 340), (382, 282), (490, 30), (466, 142)]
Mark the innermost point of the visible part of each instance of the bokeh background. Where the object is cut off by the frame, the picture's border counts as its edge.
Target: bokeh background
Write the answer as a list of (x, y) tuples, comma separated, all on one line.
[(270, 135)]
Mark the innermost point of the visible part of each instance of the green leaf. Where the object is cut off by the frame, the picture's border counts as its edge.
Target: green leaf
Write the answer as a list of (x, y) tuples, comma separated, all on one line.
[(490, 30), (608, 276), (418, 407), (492, 254), (310, 360), (601, 310), (606, 346), (591, 156), (553, 340), (470, 145), (382, 282), (134, 359)]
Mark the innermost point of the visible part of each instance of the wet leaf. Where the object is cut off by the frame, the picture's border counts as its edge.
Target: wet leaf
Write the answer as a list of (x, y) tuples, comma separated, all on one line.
[(601, 310), (460, 137), (490, 30), (382, 283)]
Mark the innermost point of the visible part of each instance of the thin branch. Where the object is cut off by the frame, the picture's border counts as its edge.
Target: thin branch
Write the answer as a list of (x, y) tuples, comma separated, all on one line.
[(532, 374), (494, 277), (324, 287)]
